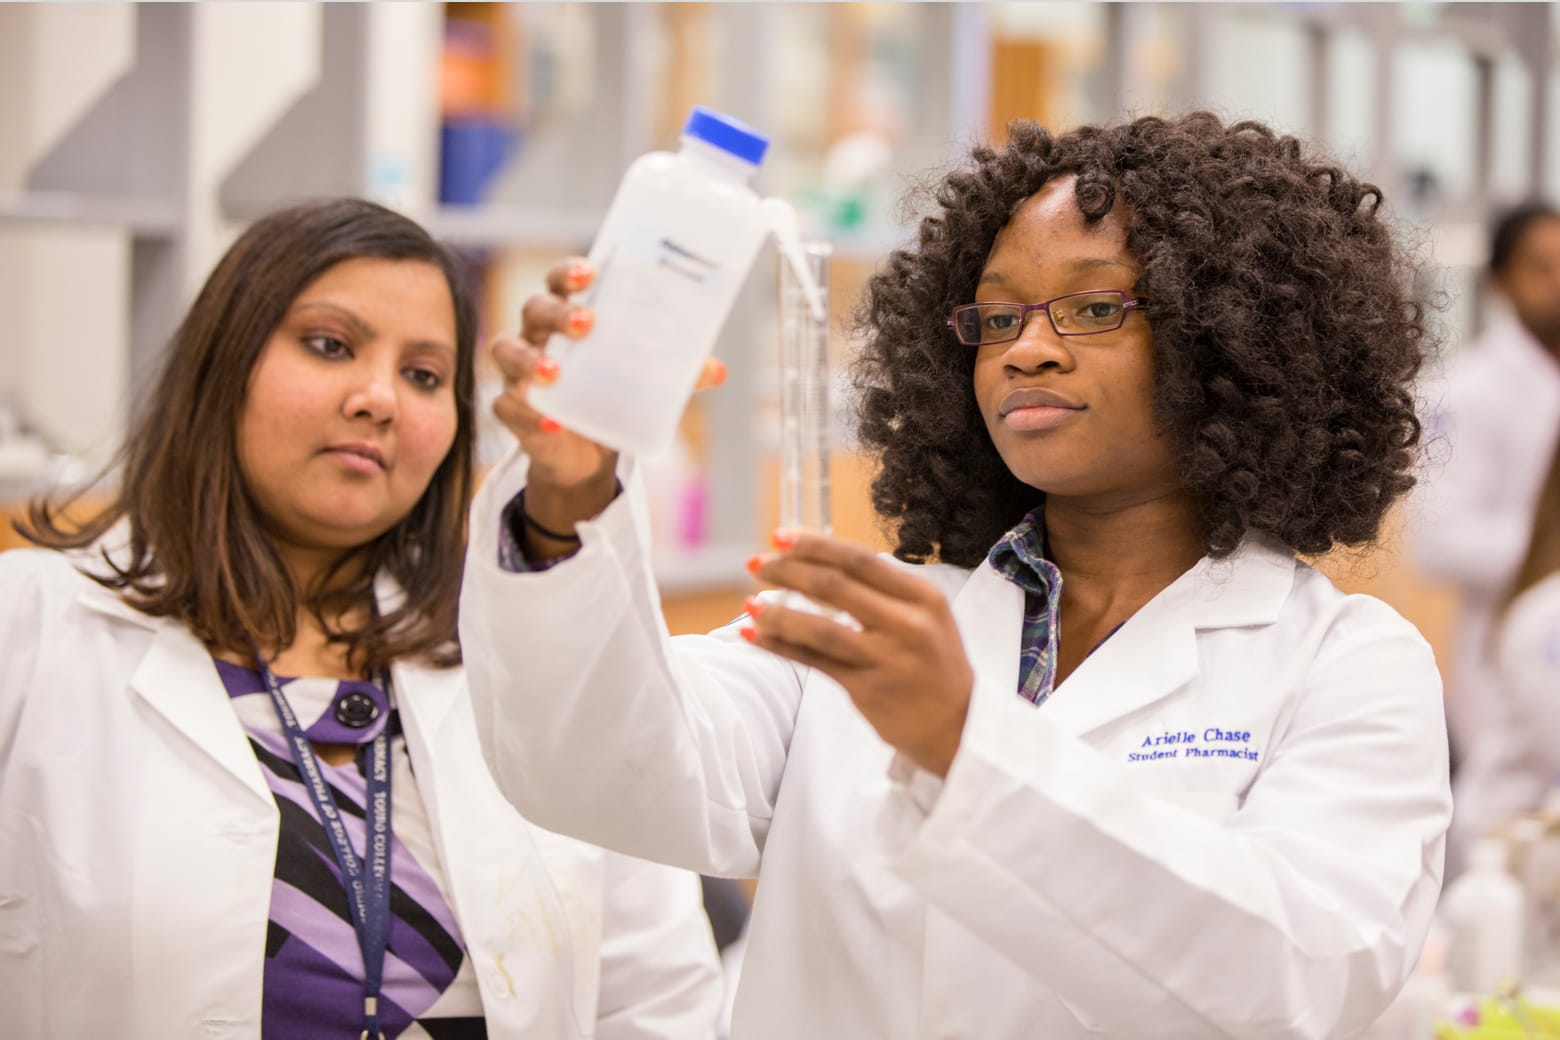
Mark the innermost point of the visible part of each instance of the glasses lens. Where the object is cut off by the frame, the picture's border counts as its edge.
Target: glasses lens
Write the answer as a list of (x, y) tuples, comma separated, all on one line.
[(989, 323), (1088, 312)]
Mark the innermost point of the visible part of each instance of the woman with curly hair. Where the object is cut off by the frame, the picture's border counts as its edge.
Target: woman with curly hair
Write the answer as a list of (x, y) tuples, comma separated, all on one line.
[(1094, 753)]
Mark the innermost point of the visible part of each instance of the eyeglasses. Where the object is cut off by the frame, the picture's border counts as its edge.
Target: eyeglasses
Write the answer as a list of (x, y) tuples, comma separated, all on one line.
[(1076, 314)]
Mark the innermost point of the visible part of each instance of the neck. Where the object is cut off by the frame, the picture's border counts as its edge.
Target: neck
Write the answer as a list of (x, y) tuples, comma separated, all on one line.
[(308, 566), (1122, 551), (311, 653)]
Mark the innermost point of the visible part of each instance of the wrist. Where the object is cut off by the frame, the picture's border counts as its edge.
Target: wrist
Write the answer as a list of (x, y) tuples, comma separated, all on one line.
[(556, 509)]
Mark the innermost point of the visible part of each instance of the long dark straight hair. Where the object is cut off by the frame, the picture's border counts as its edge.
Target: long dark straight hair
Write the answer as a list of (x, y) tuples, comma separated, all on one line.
[(198, 548)]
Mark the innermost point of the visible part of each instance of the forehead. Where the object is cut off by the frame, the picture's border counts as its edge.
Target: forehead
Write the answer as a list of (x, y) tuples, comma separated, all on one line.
[(373, 276), (1049, 248), (1050, 217)]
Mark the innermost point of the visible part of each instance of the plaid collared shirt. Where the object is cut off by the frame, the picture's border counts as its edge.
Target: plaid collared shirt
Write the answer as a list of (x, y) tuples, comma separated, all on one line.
[(1020, 558)]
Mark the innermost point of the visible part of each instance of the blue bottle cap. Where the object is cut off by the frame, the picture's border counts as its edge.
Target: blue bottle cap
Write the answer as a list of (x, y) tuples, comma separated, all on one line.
[(727, 134)]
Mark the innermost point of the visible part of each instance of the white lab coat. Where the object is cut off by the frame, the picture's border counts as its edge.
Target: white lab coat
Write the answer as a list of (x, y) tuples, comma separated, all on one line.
[(1529, 660), (1054, 885), (1491, 437), (138, 840)]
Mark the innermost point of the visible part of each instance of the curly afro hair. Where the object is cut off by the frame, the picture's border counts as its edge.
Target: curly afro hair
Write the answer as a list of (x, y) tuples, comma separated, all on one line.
[(1286, 336)]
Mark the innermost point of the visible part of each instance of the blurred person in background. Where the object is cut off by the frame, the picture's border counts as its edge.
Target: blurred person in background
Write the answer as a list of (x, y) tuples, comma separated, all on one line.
[(1498, 422), (1528, 658), (1528, 645), (216, 688)]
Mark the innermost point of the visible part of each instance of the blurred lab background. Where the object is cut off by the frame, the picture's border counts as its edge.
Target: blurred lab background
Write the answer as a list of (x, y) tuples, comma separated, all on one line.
[(136, 140)]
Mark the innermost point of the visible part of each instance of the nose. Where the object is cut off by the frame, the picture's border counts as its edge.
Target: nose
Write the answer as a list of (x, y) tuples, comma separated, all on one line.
[(372, 397), (1038, 346)]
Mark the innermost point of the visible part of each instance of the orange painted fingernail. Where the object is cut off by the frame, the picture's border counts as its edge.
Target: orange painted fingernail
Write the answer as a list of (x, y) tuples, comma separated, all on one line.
[(577, 273), (546, 370), (783, 540), (717, 372), (754, 563), (579, 322), (748, 632), (752, 606), (547, 425)]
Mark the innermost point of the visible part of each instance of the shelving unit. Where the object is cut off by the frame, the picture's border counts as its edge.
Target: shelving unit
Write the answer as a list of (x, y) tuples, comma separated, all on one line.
[(146, 218), (173, 207)]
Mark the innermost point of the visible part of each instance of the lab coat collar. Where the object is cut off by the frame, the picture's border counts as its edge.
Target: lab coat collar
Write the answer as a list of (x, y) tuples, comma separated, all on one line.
[(1155, 651), (177, 679)]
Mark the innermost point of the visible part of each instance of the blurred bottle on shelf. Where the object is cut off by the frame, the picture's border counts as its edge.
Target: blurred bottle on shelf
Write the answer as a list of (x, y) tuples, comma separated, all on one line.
[(476, 136), (1484, 909), (1535, 861)]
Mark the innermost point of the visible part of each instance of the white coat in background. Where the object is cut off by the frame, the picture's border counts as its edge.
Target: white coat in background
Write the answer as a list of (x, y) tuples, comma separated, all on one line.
[(1227, 822), (1495, 430), (1529, 658), (138, 843)]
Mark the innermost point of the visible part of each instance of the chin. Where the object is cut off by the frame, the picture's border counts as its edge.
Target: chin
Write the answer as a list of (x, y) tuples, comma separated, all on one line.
[(1054, 483), (345, 533), (1044, 476)]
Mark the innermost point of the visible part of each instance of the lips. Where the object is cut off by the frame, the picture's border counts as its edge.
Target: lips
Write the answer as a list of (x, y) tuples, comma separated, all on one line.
[(362, 451), (1035, 397)]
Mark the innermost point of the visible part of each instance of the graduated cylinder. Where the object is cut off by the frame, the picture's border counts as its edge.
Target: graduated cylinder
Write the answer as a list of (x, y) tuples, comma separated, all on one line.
[(804, 389)]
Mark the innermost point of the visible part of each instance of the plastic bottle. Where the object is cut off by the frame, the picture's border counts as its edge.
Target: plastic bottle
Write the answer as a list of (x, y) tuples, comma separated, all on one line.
[(670, 258), (1484, 911), (1540, 876)]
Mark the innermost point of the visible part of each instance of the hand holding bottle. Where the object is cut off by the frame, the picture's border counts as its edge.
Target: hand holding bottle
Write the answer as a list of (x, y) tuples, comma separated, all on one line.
[(571, 478)]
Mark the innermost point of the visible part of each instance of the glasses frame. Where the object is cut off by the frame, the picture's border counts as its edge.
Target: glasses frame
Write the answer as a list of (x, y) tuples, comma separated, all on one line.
[(1128, 305)]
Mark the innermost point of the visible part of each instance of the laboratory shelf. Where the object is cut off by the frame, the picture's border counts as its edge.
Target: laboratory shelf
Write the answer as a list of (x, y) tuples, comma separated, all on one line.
[(501, 226), (142, 216)]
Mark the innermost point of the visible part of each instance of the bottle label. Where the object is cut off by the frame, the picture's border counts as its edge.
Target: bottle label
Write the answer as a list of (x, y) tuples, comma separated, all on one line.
[(659, 300), (662, 294), (645, 265)]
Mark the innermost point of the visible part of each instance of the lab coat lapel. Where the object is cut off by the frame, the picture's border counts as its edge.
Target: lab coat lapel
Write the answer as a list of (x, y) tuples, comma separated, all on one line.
[(1154, 653), (989, 611), (1151, 656), (424, 697), (178, 680)]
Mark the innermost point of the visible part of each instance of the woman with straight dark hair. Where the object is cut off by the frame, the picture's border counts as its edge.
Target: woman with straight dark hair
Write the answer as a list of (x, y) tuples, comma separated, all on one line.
[(241, 792)]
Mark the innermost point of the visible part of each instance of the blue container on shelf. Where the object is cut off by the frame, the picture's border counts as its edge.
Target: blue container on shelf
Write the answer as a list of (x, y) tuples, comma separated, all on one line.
[(472, 149)]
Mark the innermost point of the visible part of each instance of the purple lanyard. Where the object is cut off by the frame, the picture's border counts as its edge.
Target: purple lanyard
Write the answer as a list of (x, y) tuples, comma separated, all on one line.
[(368, 897)]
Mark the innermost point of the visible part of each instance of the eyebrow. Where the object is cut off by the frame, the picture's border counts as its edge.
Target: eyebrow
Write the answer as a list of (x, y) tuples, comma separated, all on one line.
[(366, 331), (1080, 266)]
